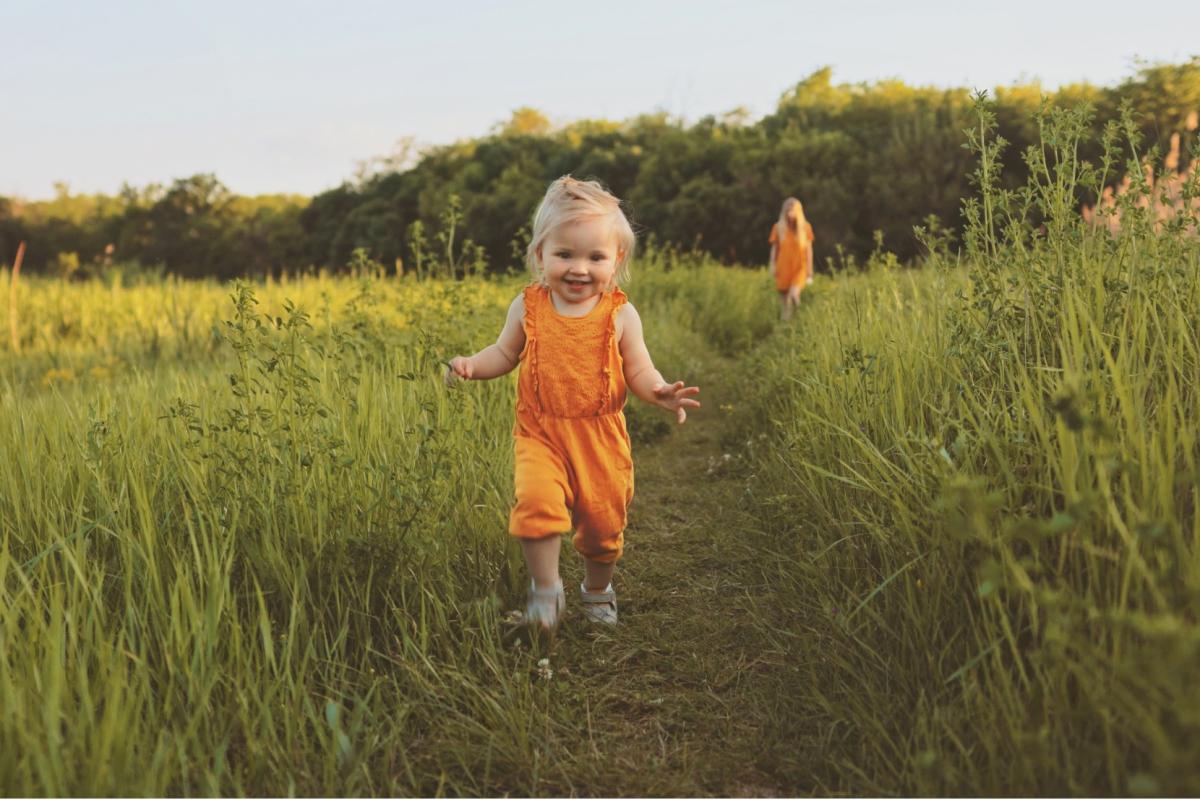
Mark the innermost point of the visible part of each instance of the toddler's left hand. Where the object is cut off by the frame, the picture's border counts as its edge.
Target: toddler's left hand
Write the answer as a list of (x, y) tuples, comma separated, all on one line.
[(676, 397)]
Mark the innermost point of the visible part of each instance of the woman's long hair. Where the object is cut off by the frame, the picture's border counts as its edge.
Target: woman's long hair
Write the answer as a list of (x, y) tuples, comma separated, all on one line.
[(801, 231)]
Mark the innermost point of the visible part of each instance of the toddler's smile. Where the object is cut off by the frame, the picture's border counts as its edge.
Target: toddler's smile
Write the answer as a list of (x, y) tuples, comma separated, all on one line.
[(579, 261)]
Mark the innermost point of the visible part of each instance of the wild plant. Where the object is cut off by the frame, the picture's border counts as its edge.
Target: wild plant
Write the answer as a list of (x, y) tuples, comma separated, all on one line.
[(418, 246)]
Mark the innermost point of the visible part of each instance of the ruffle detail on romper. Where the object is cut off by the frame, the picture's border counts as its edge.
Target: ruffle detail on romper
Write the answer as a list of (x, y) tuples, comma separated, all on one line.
[(533, 301), (618, 299)]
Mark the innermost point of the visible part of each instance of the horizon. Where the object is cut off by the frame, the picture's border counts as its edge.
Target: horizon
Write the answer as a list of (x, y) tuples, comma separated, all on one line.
[(139, 94)]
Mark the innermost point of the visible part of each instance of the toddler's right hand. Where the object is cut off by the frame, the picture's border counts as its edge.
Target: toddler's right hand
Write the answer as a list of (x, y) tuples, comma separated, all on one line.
[(459, 368)]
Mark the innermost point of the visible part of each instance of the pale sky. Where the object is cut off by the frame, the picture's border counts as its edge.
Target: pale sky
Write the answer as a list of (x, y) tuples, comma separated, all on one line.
[(278, 96)]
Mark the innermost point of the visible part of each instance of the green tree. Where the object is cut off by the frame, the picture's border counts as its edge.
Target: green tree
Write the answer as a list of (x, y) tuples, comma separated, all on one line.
[(526, 121)]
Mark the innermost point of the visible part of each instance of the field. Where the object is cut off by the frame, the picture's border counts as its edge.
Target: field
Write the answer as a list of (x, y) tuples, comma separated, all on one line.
[(937, 535)]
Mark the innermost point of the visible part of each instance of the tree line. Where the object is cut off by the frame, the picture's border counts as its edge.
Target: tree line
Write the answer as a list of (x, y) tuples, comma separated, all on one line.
[(868, 160)]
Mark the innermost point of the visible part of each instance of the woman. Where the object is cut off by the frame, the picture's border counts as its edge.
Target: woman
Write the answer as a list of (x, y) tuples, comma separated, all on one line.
[(791, 254)]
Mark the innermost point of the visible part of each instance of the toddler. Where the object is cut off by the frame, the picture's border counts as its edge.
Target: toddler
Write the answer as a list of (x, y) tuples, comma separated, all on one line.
[(580, 346)]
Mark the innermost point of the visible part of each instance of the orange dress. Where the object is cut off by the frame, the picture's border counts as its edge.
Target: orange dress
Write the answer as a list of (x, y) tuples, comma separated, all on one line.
[(791, 259), (574, 464)]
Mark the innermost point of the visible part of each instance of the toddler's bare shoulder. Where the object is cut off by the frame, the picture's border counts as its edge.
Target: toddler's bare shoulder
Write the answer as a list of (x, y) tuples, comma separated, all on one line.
[(627, 317), (514, 320)]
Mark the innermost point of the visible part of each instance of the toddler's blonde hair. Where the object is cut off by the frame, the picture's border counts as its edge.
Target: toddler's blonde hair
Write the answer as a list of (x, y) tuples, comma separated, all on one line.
[(569, 200)]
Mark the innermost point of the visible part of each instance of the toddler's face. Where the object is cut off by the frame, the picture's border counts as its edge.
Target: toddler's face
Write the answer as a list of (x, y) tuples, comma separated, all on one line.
[(579, 260)]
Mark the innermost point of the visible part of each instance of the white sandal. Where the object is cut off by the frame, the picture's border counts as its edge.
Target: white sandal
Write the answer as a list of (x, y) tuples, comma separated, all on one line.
[(544, 607), (599, 607)]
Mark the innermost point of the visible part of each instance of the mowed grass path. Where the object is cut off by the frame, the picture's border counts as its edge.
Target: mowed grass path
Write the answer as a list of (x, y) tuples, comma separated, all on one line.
[(679, 699)]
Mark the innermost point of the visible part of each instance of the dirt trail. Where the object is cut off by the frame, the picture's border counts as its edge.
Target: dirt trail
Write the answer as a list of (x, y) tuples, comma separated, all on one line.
[(678, 697)]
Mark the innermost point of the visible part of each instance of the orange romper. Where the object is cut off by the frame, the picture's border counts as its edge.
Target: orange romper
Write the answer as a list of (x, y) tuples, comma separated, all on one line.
[(791, 259), (574, 466)]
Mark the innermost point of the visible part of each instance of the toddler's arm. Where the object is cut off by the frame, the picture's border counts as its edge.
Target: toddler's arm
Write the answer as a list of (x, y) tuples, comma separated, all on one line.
[(496, 359), (646, 382), (771, 259)]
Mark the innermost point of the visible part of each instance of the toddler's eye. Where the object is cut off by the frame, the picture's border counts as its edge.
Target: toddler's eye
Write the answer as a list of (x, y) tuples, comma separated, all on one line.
[(599, 257)]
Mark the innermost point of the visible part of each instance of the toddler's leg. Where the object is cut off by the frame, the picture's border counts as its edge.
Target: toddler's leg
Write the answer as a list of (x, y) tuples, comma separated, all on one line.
[(597, 575), (600, 518), (542, 511), (539, 518), (541, 558), (596, 592), (545, 603)]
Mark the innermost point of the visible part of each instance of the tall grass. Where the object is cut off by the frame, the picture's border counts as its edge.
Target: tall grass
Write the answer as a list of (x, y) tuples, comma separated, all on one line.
[(979, 498), (245, 578)]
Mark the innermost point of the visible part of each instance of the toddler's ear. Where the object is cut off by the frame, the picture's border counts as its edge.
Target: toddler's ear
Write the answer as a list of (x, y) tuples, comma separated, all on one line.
[(620, 258), (541, 267)]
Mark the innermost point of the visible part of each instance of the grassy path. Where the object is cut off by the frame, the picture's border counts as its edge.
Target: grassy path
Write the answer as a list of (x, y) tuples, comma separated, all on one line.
[(678, 699)]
